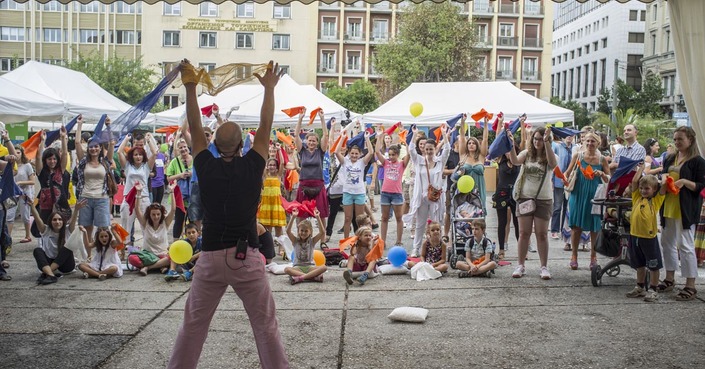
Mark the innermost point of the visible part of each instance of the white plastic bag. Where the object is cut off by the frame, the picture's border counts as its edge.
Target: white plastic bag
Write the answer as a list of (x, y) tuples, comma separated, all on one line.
[(600, 193), (75, 244), (286, 242), (424, 271)]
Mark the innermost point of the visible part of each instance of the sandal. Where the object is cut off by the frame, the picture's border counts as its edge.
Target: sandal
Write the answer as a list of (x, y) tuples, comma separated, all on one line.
[(567, 247), (25, 240), (324, 246), (500, 256), (665, 286), (686, 294)]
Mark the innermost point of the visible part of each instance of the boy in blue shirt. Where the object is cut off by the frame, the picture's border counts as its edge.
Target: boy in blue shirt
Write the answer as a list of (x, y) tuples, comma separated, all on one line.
[(193, 237)]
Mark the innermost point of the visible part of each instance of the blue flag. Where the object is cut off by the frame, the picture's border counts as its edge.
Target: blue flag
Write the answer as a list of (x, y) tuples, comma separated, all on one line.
[(8, 188), (54, 135)]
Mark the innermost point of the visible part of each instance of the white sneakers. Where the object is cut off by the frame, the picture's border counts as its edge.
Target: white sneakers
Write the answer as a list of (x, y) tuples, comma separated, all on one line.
[(545, 274), (520, 271)]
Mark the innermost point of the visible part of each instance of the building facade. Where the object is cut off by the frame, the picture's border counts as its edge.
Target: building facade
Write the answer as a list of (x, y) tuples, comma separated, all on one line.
[(54, 33), (514, 40), (660, 58), (593, 44)]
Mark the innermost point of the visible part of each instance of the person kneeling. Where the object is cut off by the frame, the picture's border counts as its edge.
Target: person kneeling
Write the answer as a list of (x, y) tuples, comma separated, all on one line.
[(304, 268), (479, 252)]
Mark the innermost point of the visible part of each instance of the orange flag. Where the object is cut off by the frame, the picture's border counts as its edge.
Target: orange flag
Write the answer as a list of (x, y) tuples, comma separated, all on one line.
[(346, 242), (122, 233), (338, 140), (437, 133), (671, 186), (559, 174), (292, 178), (170, 130), (32, 145), (588, 172), (281, 136), (314, 112), (376, 252), (402, 135), (480, 115), (292, 112)]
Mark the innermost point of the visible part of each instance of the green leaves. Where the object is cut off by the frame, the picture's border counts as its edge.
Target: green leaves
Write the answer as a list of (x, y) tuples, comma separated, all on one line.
[(361, 97)]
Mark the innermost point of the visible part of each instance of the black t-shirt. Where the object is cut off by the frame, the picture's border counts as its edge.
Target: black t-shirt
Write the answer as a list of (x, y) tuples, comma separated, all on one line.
[(506, 176), (452, 163), (230, 195)]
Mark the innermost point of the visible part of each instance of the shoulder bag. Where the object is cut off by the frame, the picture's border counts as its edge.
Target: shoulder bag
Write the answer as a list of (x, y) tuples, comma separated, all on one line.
[(434, 194), (528, 206), (112, 186), (573, 176)]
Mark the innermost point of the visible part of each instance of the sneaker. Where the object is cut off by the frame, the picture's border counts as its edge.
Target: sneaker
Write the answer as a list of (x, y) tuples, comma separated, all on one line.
[(363, 278), (348, 276), (171, 275), (636, 292), (50, 279), (487, 274), (651, 296), (554, 235), (318, 278), (41, 278), (187, 275), (453, 260), (102, 277), (343, 263), (464, 274), (519, 272), (545, 274), (85, 275), (340, 231), (375, 226), (531, 247)]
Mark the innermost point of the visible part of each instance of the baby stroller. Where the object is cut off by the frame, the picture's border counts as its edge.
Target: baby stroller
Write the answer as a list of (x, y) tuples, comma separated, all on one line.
[(464, 208), (613, 238)]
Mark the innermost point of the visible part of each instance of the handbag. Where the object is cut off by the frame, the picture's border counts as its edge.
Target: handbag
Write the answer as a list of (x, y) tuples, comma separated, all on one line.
[(572, 178), (146, 257), (183, 183), (600, 193), (112, 186), (528, 206), (434, 194)]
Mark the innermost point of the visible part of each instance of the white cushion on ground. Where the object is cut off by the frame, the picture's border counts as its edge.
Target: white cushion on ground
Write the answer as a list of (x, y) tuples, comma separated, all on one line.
[(409, 314), (391, 269), (277, 269)]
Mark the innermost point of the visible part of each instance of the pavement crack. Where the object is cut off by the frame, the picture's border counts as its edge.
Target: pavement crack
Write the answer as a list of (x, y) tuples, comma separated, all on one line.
[(341, 346)]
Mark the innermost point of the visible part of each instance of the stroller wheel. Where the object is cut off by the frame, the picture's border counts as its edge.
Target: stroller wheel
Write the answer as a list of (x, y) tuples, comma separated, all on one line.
[(614, 271), (596, 276)]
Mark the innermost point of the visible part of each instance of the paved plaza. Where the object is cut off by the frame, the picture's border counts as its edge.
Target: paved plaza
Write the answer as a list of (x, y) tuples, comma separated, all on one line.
[(499, 322)]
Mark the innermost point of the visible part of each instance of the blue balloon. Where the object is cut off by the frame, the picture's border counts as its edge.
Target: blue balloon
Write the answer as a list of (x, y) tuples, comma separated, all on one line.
[(397, 256), (293, 255)]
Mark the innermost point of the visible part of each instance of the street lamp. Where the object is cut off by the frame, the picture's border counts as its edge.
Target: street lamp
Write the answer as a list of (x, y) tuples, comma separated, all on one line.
[(613, 118)]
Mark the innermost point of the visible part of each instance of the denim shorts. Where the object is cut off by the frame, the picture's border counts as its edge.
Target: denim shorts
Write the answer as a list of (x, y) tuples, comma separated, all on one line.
[(96, 213), (357, 199), (195, 210), (389, 198)]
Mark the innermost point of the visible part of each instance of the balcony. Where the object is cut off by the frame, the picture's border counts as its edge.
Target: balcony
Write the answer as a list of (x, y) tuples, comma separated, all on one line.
[(480, 10), (483, 75), (379, 37), (507, 41), (533, 43), (531, 75), (326, 68), (357, 6), (483, 43), (354, 37), (505, 74), (327, 36), (353, 69), (509, 9), (322, 5), (533, 10), (381, 7)]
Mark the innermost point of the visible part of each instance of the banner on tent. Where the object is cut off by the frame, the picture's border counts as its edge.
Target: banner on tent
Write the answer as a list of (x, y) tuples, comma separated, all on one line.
[(17, 131)]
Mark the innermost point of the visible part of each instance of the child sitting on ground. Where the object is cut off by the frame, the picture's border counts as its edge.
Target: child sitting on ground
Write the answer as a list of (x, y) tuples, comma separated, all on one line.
[(106, 261), (358, 266), (433, 250), (304, 268), (479, 254), (644, 251), (193, 237)]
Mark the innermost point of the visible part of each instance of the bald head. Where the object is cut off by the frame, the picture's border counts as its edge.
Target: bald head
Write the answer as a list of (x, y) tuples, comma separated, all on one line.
[(228, 139)]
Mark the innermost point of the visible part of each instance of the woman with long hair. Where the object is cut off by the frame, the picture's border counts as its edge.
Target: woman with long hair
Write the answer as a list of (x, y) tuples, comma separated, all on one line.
[(311, 156), (507, 174), (24, 177), (652, 165), (534, 185), (472, 158), (180, 170), (53, 177), (679, 214)]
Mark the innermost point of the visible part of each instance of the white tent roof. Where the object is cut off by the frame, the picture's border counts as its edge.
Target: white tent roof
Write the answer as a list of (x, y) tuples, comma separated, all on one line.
[(79, 94), (247, 99), (444, 100), (18, 104)]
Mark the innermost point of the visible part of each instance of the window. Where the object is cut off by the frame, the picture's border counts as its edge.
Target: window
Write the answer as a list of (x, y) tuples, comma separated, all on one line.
[(655, 12), (530, 69), (506, 30), (329, 29), (282, 12), (643, 15), (587, 49), (603, 74), (207, 39), (12, 34), (127, 37), (636, 37), (6, 64), (594, 46), (172, 39), (531, 7), (530, 92), (586, 79), (593, 91), (285, 69), (653, 43), (354, 62), (88, 36), (504, 67), (572, 55), (380, 29), (52, 35), (172, 9), (481, 30), (10, 5), (52, 6), (580, 52), (280, 42), (92, 7), (208, 10), (667, 37), (208, 67), (633, 15), (246, 10), (123, 8), (171, 101), (354, 28), (327, 61), (244, 40), (577, 85), (604, 42)]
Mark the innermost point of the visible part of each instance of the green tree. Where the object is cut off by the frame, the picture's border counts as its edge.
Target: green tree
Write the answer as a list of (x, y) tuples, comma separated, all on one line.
[(581, 115), (434, 44), (602, 102), (361, 97), (604, 123), (128, 80), (647, 102)]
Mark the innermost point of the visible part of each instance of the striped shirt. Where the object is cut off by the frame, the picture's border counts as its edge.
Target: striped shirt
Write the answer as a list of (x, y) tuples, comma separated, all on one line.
[(634, 152)]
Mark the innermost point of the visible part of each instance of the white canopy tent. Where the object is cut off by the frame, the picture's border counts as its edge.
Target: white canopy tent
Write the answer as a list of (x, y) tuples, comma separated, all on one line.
[(245, 101), (19, 104), (443, 100)]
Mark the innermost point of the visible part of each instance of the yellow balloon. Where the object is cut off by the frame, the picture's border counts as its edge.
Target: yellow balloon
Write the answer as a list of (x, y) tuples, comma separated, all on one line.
[(180, 252), (559, 124), (416, 109), (466, 184), (318, 257)]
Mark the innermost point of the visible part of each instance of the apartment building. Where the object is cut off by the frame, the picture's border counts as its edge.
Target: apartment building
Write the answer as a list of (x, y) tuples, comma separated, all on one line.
[(660, 58), (514, 40), (53, 32), (594, 44), (212, 35)]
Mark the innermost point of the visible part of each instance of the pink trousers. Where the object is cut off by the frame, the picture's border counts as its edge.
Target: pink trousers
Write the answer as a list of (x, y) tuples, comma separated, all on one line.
[(216, 271)]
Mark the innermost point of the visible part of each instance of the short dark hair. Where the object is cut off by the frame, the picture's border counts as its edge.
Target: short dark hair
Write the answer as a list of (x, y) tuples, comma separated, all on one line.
[(479, 223), (192, 226)]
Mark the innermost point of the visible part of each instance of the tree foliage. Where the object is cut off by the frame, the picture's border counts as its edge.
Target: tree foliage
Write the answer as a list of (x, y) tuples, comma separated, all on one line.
[(604, 123), (361, 97), (644, 102), (434, 44), (128, 80), (580, 113)]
